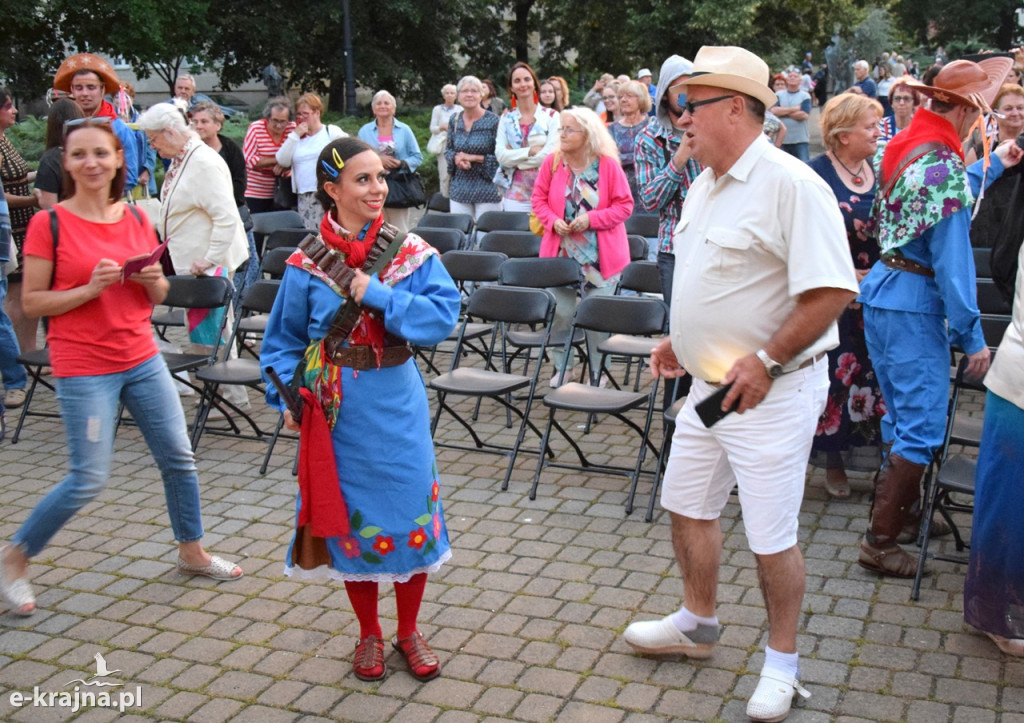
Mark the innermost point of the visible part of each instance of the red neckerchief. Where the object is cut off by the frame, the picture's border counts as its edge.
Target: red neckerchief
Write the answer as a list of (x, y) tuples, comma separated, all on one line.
[(370, 327), (925, 127), (106, 110), (348, 243)]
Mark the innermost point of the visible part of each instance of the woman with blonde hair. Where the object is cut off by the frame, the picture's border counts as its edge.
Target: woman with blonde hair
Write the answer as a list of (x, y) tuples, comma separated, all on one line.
[(582, 199), (634, 105), (301, 149), (852, 417), (562, 99), (438, 142)]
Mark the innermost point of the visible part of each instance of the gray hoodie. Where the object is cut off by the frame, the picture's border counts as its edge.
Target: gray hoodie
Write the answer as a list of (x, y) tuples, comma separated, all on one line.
[(673, 67)]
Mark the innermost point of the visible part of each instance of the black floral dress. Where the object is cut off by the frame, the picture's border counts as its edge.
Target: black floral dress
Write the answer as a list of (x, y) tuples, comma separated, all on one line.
[(853, 413)]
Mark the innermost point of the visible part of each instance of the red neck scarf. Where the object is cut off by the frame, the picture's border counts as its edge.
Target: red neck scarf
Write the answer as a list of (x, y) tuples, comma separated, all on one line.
[(925, 127), (348, 243)]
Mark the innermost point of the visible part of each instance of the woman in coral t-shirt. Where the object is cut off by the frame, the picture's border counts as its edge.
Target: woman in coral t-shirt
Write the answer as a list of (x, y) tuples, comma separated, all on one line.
[(102, 353)]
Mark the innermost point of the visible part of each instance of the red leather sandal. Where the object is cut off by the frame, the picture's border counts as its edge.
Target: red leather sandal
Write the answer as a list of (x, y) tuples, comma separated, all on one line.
[(423, 663)]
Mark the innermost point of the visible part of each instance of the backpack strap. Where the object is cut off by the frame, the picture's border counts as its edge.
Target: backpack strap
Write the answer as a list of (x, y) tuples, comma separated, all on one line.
[(55, 234)]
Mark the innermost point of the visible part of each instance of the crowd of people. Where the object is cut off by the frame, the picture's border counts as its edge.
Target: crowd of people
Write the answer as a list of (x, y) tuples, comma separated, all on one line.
[(858, 262)]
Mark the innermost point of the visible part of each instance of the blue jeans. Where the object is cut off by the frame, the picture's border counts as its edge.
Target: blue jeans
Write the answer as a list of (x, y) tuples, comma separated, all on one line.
[(14, 376), (800, 150), (88, 405)]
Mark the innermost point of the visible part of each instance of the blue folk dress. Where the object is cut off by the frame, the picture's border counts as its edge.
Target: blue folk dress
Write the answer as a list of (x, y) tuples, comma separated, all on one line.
[(381, 439)]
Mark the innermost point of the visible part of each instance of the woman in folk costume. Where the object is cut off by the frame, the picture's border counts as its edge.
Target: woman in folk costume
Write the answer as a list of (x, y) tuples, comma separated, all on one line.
[(365, 425)]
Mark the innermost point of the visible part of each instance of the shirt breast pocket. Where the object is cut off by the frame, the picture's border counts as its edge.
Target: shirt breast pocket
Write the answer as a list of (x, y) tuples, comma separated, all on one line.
[(729, 257)]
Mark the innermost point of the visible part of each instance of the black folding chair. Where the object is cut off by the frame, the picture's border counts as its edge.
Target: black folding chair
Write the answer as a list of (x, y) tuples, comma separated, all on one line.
[(634, 316), (35, 363), (264, 223), (439, 202), (497, 305), (638, 247), (442, 239), (258, 299), (643, 224), (284, 238), (950, 475), (503, 221), (514, 244), (462, 221)]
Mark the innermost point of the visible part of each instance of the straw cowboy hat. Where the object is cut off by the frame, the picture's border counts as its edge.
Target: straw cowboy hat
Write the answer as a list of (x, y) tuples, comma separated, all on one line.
[(732, 68), (86, 61), (965, 83)]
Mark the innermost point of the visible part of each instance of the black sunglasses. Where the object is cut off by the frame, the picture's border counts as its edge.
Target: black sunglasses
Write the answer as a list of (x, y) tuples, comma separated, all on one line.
[(691, 106)]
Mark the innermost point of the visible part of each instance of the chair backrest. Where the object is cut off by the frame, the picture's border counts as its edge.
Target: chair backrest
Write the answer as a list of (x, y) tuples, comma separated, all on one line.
[(511, 304), (541, 273), (199, 292), (993, 327), (503, 221), (439, 202), (637, 315), (275, 261), (990, 301), (461, 221), (641, 277), (285, 237), (638, 247), (514, 244), (259, 297), (643, 224), (982, 262), (442, 239), (264, 223), (476, 266)]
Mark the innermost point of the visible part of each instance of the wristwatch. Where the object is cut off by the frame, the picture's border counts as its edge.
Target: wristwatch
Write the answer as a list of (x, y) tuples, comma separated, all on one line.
[(772, 367)]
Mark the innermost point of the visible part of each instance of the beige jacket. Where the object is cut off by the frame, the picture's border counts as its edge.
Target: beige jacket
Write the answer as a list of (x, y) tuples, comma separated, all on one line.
[(198, 212)]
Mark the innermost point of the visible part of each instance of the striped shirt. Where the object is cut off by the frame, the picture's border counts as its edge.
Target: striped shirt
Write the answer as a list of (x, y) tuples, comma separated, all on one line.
[(258, 143)]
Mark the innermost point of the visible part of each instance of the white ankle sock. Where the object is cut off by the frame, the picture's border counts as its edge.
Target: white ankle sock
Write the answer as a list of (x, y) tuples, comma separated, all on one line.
[(786, 663), (687, 621)]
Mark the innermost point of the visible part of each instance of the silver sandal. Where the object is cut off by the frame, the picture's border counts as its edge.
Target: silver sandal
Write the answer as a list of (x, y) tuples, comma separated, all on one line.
[(218, 569), (18, 593)]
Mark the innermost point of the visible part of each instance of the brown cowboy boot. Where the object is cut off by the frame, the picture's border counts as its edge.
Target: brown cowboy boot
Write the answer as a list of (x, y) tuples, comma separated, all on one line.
[(897, 486), (911, 530)]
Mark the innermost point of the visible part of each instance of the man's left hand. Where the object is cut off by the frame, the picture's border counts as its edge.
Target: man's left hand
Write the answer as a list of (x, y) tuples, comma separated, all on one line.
[(750, 383)]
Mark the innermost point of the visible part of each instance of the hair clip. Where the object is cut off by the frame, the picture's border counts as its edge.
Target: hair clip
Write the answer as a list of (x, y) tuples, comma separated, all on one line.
[(337, 159), (330, 169)]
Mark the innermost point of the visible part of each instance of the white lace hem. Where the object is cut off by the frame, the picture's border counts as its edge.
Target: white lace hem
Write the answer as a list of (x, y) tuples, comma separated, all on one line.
[(318, 573)]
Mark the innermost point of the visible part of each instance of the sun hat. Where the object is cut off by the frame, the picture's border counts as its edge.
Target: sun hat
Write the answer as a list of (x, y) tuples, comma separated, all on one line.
[(643, 73), (732, 68), (963, 82), (86, 61)]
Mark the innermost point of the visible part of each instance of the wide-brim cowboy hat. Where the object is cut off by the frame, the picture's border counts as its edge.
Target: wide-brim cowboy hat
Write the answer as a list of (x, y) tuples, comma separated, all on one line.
[(963, 82), (86, 61), (732, 68)]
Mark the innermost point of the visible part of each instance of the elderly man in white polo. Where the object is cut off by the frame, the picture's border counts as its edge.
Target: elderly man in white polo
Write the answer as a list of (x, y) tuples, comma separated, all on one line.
[(762, 272)]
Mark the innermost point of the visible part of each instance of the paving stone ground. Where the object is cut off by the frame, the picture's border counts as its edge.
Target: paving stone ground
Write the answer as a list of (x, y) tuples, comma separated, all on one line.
[(527, 618)]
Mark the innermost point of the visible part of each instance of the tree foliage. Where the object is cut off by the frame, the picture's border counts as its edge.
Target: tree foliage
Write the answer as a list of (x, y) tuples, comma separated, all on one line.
[(990, 23)]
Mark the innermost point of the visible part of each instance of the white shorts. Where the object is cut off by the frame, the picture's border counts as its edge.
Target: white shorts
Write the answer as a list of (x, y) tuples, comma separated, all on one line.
[(764, 451)]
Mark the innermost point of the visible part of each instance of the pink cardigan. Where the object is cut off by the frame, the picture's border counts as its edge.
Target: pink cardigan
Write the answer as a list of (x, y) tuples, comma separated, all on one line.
[(615, 204)]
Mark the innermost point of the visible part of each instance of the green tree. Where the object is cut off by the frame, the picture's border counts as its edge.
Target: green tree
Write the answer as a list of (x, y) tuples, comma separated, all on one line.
[(31, 49), (992, 23)]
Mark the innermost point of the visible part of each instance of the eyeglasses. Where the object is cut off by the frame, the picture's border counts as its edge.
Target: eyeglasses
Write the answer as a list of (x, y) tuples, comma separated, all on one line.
[(691, 106), (568, 131), (70, 125)]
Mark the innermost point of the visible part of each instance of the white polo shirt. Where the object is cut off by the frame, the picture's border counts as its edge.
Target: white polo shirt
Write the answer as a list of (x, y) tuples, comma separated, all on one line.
[(747, 245)]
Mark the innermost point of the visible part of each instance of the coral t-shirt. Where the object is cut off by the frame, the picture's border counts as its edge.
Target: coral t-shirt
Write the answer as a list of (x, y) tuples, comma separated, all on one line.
[(111, 333)]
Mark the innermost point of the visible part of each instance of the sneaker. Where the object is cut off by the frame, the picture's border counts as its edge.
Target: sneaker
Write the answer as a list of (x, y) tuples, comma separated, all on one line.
[(662, 637), (773, 697), (14, 398)]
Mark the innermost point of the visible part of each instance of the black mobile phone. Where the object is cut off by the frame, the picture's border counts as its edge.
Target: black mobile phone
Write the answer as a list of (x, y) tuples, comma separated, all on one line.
[(710, 410)]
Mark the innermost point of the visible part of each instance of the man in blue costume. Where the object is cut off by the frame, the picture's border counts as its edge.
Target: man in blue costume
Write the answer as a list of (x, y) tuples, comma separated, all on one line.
[(925, 278)]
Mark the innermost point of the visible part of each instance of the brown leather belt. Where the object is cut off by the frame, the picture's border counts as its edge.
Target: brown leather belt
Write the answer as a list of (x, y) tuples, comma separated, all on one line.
[(902, 263), (361, 357)]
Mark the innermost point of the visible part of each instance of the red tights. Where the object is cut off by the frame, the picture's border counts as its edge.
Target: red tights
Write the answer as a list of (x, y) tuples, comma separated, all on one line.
[(408, 596)]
